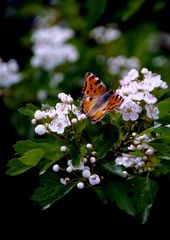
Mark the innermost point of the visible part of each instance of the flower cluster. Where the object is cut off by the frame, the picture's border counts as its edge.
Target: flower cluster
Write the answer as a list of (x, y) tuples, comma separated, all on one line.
[(103, 35), (50, 48), (137, 88), (9, 74), (144, 162), (120, 65), (83, 173), (56, 119)]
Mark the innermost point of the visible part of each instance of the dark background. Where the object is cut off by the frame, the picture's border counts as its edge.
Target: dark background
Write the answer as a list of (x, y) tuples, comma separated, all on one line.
[(17, 212)]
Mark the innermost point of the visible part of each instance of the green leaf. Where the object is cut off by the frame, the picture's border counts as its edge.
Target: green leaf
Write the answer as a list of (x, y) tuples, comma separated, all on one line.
[(145, 191), (134, 196), (164, 111), (163, 168), (23, 146), (118, 191), (162, 145), (16, 167), (99, 191), (113, 168), (132, 8), (51, 190), (32, 157), (94, 11), (75, 154), (29, 110), (106, 141)]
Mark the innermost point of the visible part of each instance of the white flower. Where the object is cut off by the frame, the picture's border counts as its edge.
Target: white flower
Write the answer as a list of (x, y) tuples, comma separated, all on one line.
[(57, 126), (105, 34), (40, 129), (94, 179), (133, 74), (50, 49), (130, 111), (9, 74), (152, 111)]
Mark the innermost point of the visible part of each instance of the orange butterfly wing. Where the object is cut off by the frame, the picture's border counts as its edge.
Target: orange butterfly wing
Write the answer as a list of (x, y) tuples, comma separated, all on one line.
[(97, 101)]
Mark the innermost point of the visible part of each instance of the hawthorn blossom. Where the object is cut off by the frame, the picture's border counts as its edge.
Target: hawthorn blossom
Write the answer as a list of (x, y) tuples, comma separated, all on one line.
[(56, 119), (138, 96), (120, 65), (140, 163), (105, 35), (50, 48), (9, 74)]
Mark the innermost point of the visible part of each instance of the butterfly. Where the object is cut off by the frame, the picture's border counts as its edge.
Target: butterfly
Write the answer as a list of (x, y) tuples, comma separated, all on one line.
[(97, 100)]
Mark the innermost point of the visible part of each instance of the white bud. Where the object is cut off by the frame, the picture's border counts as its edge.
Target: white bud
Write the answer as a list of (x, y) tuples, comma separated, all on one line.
[(33, 121), (124, 174), (144, 71), (149, 151), (88, 146), (92, 159), (56, 168), (84, 159), (39, 115), (134, 134), (74, 120), (63, 148), (86, 173), (94, 153), (40, 129), (139, 147), (145, 158), (69, 169), (131, 147), (136, 142), (80, 185)]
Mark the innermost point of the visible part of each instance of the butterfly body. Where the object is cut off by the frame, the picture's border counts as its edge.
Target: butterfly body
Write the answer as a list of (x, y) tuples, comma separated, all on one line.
[(97, 101)]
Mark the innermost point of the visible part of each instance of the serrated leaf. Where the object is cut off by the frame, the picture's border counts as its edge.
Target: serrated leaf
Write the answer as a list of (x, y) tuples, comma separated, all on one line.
[(29, 110), (51, 190), (16, 167), (32, 157), (134, 196), (145, 191), (23, 146), (118, 191)]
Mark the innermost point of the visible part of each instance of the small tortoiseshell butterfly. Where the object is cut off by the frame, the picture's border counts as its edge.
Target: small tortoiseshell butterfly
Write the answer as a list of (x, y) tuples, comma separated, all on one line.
[(97, 101)]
